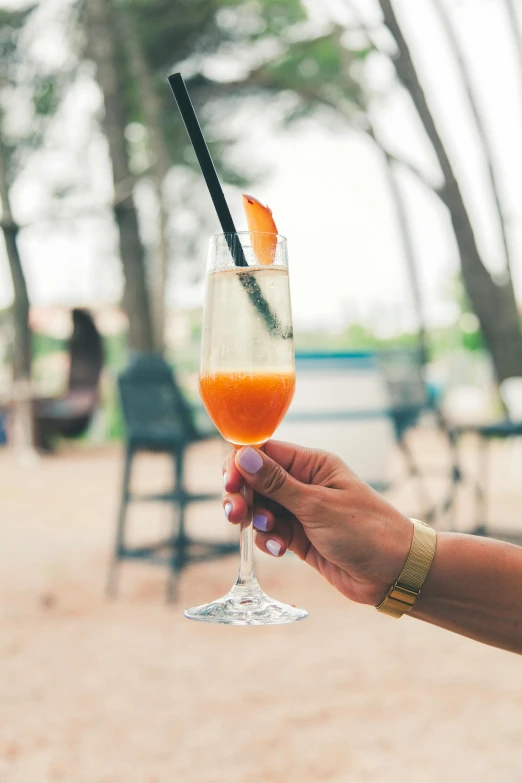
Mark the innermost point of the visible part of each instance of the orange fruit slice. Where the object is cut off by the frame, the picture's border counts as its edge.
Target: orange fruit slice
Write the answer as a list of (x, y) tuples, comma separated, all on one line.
[(259, 219)]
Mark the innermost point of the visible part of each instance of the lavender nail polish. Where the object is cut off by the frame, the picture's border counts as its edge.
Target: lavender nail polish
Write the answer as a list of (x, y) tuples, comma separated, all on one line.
[(260, 522), (250, 460), (274, 547), (225, 479), (228, 509)]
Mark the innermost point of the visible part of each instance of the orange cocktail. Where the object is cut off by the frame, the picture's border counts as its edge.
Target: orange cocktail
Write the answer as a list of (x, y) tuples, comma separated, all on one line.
[(247, 407), (247, 382)]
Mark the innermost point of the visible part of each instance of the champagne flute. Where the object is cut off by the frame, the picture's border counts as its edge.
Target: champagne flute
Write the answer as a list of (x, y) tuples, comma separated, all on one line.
[(247, 381)]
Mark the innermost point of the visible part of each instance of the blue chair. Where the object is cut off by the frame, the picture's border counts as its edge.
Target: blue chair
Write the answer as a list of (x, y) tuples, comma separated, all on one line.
[(159, 419), (507, 428), (410, 398)]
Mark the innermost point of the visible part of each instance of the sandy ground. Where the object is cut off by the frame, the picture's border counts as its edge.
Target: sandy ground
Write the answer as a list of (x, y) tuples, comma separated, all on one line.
[(129, 691)]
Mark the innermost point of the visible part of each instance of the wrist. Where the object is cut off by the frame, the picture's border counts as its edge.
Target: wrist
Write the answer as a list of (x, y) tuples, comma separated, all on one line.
[(396, 545), (439, 587), (406, 589)]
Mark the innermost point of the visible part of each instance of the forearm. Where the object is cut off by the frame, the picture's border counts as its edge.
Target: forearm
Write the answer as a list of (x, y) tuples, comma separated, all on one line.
[(474, 588)]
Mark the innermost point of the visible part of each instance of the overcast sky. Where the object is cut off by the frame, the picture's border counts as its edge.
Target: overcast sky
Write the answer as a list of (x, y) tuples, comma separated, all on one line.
[(328, 193)]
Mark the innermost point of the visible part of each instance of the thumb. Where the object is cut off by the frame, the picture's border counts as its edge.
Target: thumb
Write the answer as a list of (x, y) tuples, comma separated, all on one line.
[(271, 480)]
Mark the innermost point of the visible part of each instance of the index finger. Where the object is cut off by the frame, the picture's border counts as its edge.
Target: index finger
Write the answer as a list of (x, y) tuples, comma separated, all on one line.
[(232, 478), (302, 463)]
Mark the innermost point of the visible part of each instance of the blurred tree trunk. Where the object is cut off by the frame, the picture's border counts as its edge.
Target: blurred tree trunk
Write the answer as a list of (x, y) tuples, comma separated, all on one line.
[(406, 238), (102, 35), (409, 253), (20, 308), (23, 435), (145, 81), (494, 304), (479, 125)]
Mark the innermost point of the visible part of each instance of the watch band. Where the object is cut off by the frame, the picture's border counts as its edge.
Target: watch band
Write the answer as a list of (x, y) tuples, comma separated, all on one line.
[(405, 591)]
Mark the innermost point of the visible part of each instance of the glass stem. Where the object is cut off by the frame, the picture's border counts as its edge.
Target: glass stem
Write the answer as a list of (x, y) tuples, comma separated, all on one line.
[(246, 577)]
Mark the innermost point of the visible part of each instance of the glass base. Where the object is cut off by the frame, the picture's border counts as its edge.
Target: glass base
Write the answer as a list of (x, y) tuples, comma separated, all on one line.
[(246, 606)]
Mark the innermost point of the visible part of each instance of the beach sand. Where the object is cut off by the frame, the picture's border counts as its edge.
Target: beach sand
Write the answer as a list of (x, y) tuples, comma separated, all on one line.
[(128, 691)]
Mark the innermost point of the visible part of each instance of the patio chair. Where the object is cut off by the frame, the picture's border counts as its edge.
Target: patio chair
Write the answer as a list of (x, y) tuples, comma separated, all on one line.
[(3, 429), (69, 416), (411, 400), (509, 427), (159, 419), (361, 405)]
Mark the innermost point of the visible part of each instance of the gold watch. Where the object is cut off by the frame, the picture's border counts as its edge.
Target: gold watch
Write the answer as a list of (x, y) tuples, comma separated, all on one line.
[(405, 591)]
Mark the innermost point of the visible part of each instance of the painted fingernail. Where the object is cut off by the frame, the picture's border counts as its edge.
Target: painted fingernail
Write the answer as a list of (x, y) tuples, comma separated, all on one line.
[(260, 522), (228, 509), (250, 460), (225, 479), (274, 547)]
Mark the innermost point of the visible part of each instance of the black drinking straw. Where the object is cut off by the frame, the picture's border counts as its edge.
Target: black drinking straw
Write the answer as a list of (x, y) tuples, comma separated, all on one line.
[(208, 169), (177, 85)]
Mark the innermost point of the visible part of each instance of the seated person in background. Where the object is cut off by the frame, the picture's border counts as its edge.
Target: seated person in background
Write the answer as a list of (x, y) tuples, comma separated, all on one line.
[(311, 503)]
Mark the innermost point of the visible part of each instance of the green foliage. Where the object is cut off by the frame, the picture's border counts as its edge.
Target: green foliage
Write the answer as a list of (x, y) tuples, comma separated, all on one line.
[(45, 98), (11, 25), (473, 341), (353, 337), (44, 344), (115, 423), (115, 351), (316, 70), (172, 33), (11, 28), (24, 80), (362, 54), (192, 35), (470, 334), (268, 45)]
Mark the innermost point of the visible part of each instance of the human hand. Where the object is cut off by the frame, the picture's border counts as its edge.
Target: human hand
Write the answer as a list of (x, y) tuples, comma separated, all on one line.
[(311, 503)]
